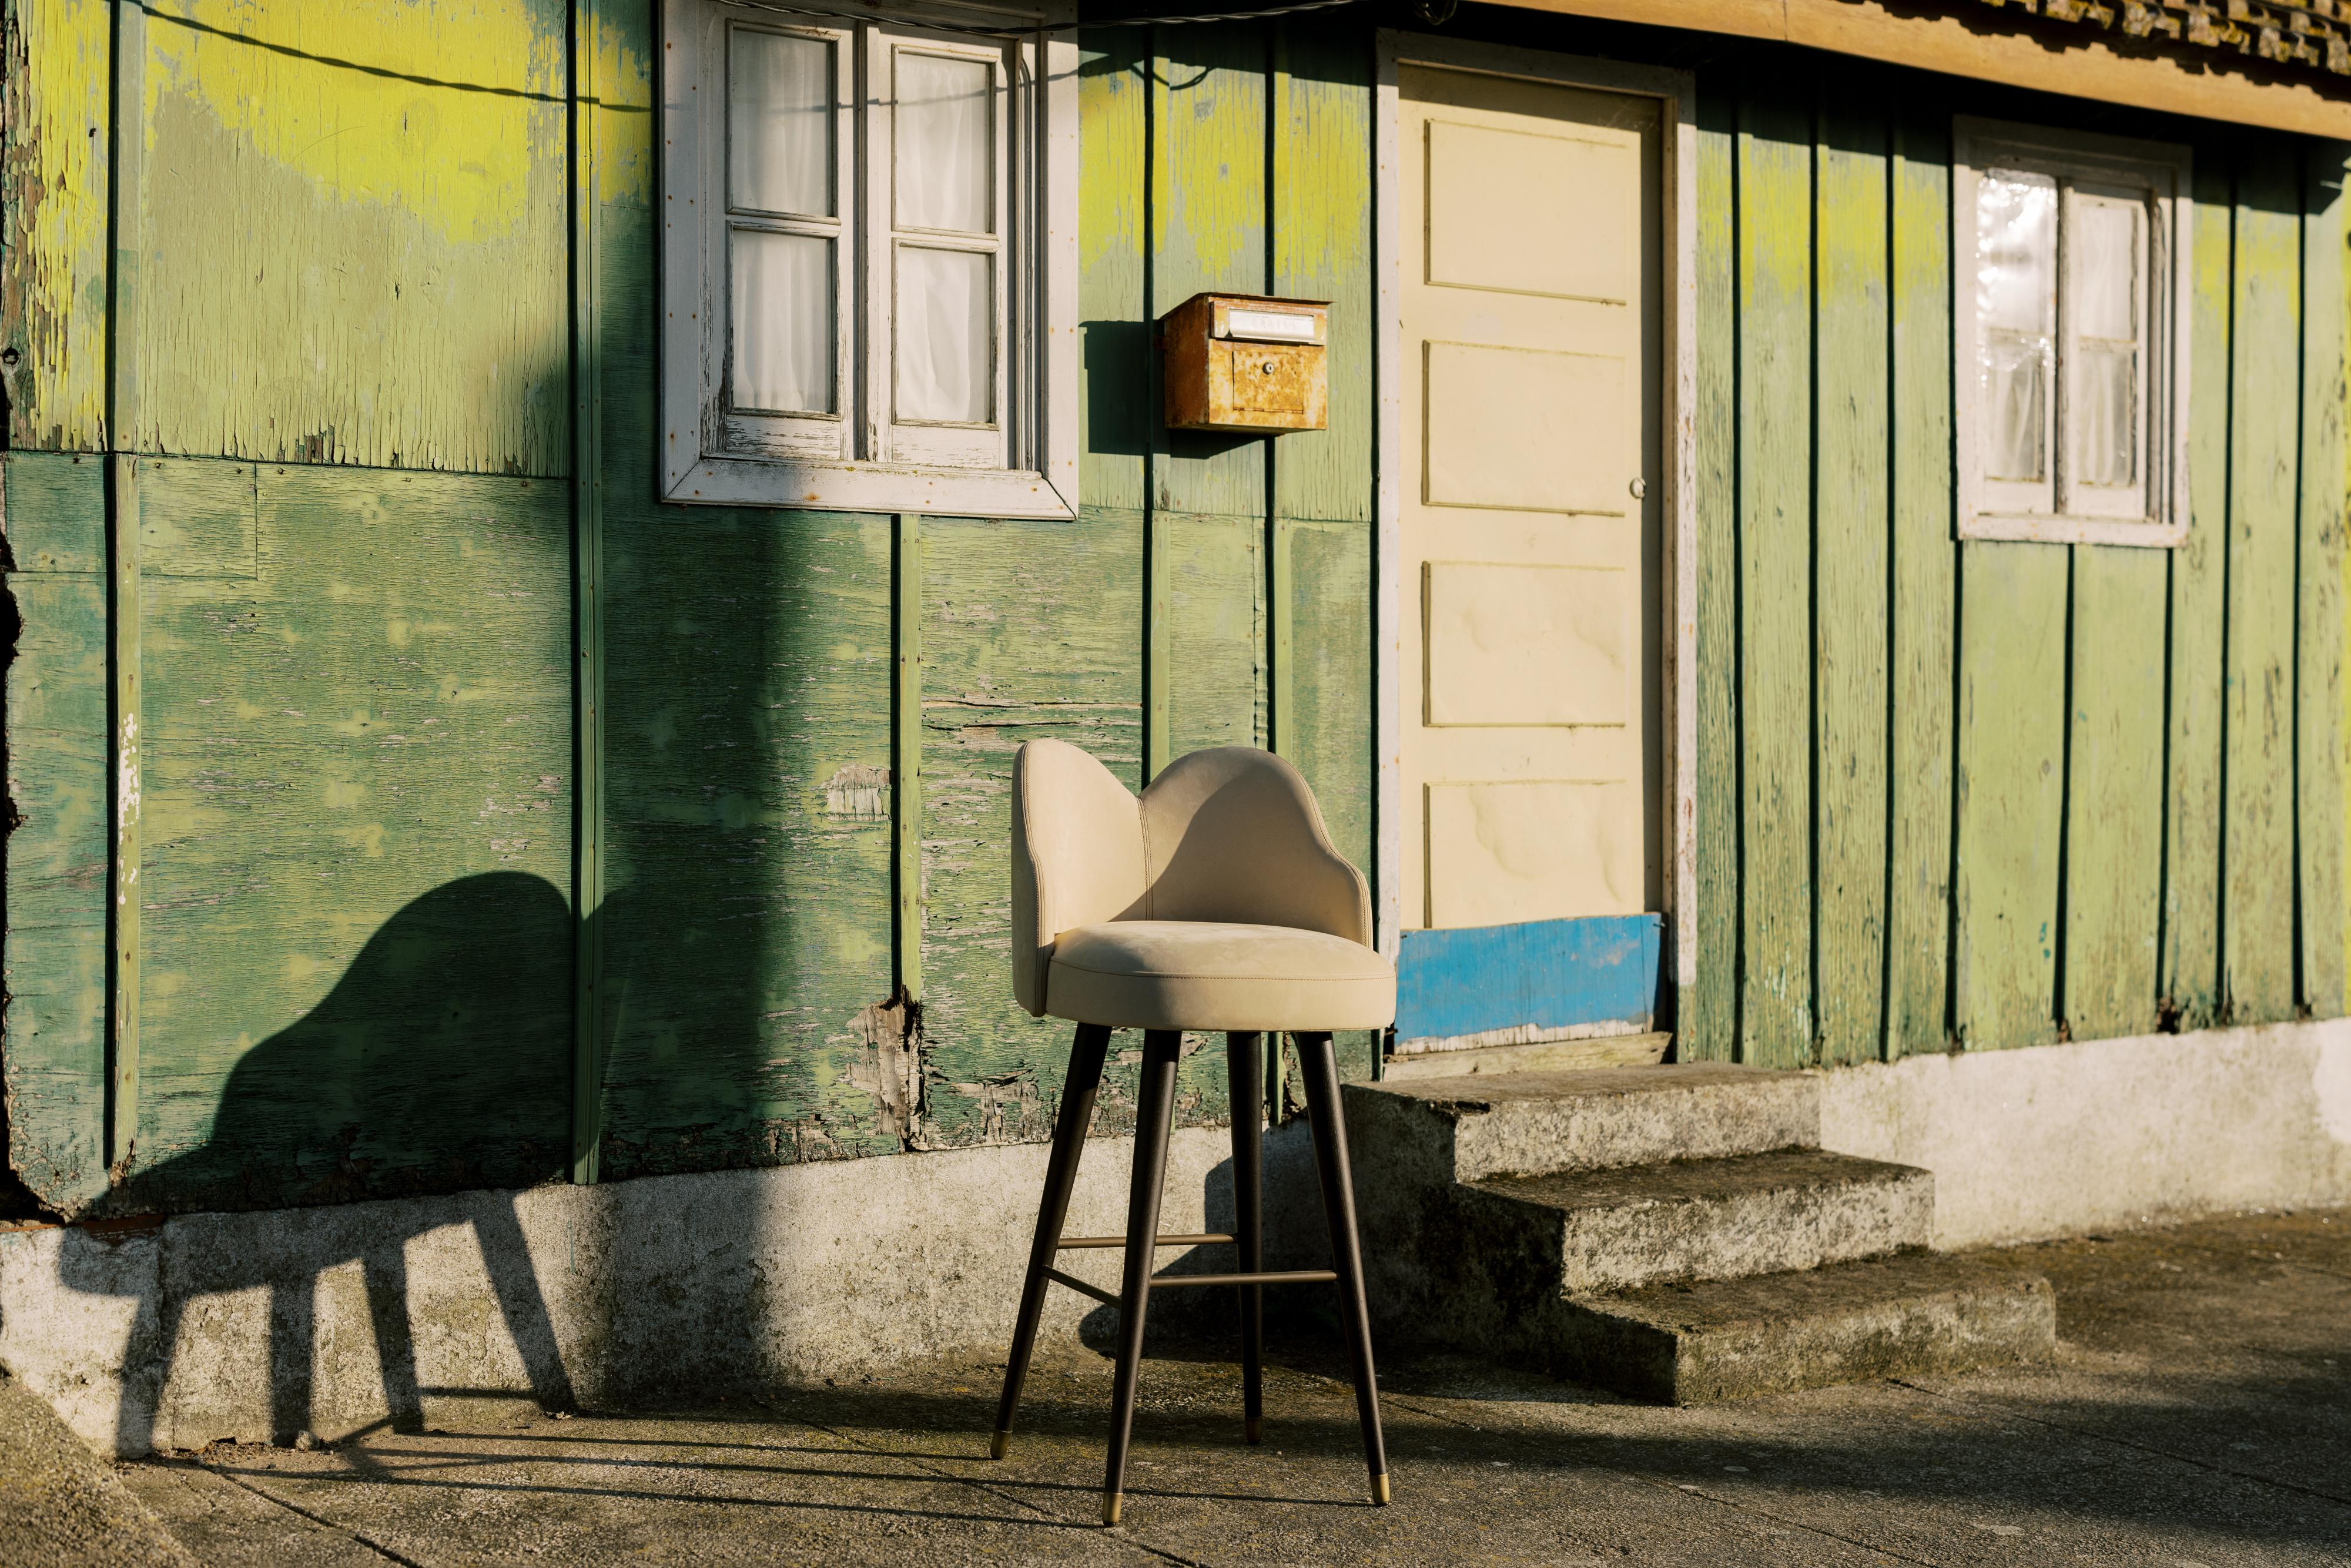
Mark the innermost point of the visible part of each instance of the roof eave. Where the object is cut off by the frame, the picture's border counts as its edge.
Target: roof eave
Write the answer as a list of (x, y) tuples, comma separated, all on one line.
[(2081, 66)]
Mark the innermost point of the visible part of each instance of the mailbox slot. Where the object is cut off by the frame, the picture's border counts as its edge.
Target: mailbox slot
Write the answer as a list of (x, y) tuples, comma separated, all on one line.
[(1241, 363)]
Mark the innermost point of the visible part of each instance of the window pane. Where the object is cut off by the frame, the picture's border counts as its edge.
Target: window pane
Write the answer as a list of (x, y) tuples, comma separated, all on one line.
[(947, 336), (2016, 251), (944, 151), (2106, 270), (2104, 414), (779, 124), (780, 324), (2108, 261), (2016, 386), (2016, 298)]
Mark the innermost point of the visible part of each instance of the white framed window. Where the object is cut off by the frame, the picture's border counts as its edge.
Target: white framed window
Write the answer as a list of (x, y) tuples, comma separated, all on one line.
[(868, 253), (2070, 290)]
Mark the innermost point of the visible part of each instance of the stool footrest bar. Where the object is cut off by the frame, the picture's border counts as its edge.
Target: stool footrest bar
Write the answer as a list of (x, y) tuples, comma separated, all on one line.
[(1268, 1276), (1080, 1287), (1121, 1240), (1161, 1281)]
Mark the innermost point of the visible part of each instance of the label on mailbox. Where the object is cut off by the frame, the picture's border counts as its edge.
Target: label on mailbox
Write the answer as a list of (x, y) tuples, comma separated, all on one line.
[(1272, 326)]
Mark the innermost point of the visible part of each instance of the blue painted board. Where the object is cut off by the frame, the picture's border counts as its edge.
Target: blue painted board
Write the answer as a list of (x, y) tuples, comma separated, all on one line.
[(1543, 974)]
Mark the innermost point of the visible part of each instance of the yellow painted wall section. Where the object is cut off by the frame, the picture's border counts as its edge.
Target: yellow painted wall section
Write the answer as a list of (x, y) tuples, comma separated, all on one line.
[(352, 233), (53, 187)]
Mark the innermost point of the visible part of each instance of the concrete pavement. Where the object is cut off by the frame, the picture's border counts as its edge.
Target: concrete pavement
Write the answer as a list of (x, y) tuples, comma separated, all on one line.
[(2199, 1413)]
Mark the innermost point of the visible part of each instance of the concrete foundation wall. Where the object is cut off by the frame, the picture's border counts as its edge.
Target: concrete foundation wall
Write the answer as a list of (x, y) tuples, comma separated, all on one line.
[(2058, 1139), (261, 1325)]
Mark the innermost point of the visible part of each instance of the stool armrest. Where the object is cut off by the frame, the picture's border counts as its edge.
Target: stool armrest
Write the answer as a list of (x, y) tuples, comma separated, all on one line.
[(1076, 856)]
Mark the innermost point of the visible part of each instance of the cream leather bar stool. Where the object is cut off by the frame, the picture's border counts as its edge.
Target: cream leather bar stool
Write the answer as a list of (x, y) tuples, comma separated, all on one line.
[(1213, 902)]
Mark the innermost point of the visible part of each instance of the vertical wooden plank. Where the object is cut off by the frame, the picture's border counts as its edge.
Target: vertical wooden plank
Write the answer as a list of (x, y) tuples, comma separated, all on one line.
[(1328, 730), (1213, 574), (54, 145), (1208, 232), (2318, 653), (1926, 582), (1851, 528), (1775, 557), (1208, 213), (1027, 631), (396, 296), (125, 896), (1158, 644), (2190, 977), (749, 930), (2114, 792), (2010, 806), (1116, 398), (1328, 575), (1706, 1017), (53, 949), (356, 833), (587, 604), (2257, 856), (748, 917), (1320, 594), (1322, 199), (906, 752), (125, 407)]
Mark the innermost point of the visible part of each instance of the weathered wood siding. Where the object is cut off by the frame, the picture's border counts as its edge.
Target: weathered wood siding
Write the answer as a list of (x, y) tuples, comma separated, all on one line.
[(1965, 794), (413, 904), (485, 821)]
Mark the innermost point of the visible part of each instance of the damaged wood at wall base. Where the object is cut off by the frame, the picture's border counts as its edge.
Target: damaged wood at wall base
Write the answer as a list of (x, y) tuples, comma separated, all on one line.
[(892, 1068)]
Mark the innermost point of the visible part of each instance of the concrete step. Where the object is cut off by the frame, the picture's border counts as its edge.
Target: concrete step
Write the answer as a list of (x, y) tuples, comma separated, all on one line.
[(1534, 1123), (1909, 1314), (1691, 1219)]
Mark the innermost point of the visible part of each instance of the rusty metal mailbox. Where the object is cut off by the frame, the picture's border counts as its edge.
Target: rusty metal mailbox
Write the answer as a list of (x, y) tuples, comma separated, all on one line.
[(1246, 363)]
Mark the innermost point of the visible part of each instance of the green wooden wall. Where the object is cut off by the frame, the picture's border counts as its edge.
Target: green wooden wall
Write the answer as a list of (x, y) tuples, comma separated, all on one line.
[(490, 823), (1968, 794), (493, 822)]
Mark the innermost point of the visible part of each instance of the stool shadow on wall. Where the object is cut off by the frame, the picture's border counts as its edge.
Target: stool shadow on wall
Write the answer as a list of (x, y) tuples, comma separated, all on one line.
[(440, 1062)]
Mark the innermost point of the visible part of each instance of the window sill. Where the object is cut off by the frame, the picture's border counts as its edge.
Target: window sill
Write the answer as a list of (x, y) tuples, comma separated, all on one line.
[(2049, 528), (870, 487)]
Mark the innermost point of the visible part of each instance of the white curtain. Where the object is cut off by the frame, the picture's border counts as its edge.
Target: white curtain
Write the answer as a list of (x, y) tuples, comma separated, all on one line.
[(947, 335), (781, 321), (2104, 307), (945, 130), (780, 124), (2016, 295)]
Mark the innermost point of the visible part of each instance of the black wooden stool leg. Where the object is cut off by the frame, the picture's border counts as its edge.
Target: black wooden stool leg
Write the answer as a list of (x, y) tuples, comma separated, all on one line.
[(1156, 1109), (1244, 1072), (1322, 1072), (1078, 1090)]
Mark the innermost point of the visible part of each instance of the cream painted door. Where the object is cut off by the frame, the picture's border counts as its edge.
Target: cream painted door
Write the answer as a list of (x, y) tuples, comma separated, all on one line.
[(1531, 752)]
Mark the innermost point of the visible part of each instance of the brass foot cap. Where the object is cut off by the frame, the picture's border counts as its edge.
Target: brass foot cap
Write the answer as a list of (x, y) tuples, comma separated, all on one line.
[(1253, 1429), (1111, 1500), (1380, 1490), (998, 1444)]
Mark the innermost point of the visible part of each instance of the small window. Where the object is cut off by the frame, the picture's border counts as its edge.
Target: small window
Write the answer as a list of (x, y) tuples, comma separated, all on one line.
[(2071, 298), (870, 284)]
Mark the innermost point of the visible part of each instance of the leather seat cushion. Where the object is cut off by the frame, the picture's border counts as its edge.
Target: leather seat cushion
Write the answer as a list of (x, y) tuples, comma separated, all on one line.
[(1209, 975)]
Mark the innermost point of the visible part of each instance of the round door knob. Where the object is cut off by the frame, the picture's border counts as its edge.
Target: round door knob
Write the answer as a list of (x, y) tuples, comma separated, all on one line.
[(1640, 489)]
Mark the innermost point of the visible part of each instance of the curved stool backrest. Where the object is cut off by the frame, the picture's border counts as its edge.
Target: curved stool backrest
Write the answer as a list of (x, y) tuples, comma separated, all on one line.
[(1231, 833)]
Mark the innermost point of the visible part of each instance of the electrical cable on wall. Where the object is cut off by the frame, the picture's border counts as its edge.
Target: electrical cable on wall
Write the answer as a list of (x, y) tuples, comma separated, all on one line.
[(843, 14)]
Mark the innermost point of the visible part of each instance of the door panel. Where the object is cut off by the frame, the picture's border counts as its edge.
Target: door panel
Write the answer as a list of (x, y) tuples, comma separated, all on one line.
[(1531, 752), (1533, 849), (1532, 646)]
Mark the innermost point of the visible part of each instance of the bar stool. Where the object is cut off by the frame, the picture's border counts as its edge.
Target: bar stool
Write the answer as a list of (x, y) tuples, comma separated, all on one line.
[(1214, 902)]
